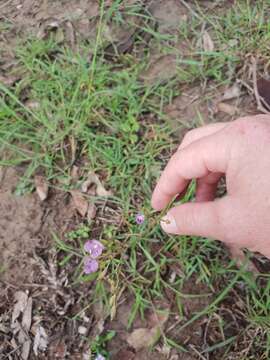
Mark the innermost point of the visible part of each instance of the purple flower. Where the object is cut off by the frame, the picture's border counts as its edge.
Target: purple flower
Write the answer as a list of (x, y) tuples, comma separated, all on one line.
[(94, 248), (100, 357), (140, 219), (90, 265)]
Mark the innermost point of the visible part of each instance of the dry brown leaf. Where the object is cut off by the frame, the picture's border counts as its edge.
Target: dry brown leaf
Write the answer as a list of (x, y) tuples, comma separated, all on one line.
[(41, 340), (32, 104), (85, 185), (8, 80), (70, 34), (26, 347), (27, 315), (227, 108), (143, 338), (121, 38), (80, 202), (207, 41), (92, 179), (58, 349), (42, 187), (93, 10), (91, 212), (147, 337), (187, 109), (232, 92), (21, 303), (23, 306), (160, 70), (168, 14)]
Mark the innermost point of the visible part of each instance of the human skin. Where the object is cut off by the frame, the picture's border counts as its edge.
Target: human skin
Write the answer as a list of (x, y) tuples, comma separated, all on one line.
[(240, 150)]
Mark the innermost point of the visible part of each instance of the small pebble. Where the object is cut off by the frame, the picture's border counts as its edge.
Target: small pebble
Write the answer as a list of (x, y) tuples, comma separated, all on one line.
[(82, 330)]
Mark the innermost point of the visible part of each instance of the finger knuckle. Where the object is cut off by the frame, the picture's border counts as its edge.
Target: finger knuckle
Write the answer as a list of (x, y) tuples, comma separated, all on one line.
[(188, 137)]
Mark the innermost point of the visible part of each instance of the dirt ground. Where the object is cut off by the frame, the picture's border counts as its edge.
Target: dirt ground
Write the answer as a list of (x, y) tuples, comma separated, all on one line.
[(35, 292)]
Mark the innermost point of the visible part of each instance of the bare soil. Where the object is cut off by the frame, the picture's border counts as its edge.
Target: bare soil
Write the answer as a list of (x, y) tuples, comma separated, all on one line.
[(20, 224)]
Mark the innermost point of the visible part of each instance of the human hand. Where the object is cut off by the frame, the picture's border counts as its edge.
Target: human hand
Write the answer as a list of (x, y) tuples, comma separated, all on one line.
[(241, 151)]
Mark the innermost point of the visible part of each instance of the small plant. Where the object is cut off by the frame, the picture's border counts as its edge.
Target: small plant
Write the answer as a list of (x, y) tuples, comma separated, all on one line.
[(81, 233), (99, 344), (130, 127)]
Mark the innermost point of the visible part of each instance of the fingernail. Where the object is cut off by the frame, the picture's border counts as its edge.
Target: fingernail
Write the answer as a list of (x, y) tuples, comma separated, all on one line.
[(168, 224)]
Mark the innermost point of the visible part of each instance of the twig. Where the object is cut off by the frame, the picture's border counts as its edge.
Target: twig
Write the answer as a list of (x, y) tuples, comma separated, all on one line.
[(265, 109), (245, 84), (249, 88), (12, 351), (173, 326), (206, 330), (190, 9), (192, 347), (246, 351), (33, 285)]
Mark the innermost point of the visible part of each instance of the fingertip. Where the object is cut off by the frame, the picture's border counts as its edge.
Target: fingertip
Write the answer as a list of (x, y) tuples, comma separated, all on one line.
[(155, 200), (160, 199), (156, 204), (168, 224)]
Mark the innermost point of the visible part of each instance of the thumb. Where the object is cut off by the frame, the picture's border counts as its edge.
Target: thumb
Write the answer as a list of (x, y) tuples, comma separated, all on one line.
[(198, 219)]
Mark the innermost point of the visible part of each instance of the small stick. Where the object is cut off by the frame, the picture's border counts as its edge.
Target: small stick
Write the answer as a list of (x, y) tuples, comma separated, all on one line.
[(192, 347), (190, 9), (12, 351), (249, 88)]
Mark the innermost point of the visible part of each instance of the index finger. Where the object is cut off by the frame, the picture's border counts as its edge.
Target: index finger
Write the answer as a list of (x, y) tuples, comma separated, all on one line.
[(201, 157)]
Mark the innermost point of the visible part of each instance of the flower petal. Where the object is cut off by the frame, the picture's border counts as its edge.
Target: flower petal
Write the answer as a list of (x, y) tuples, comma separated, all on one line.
[(90, 265), (139, 219), (100, 357), (94, 248)]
